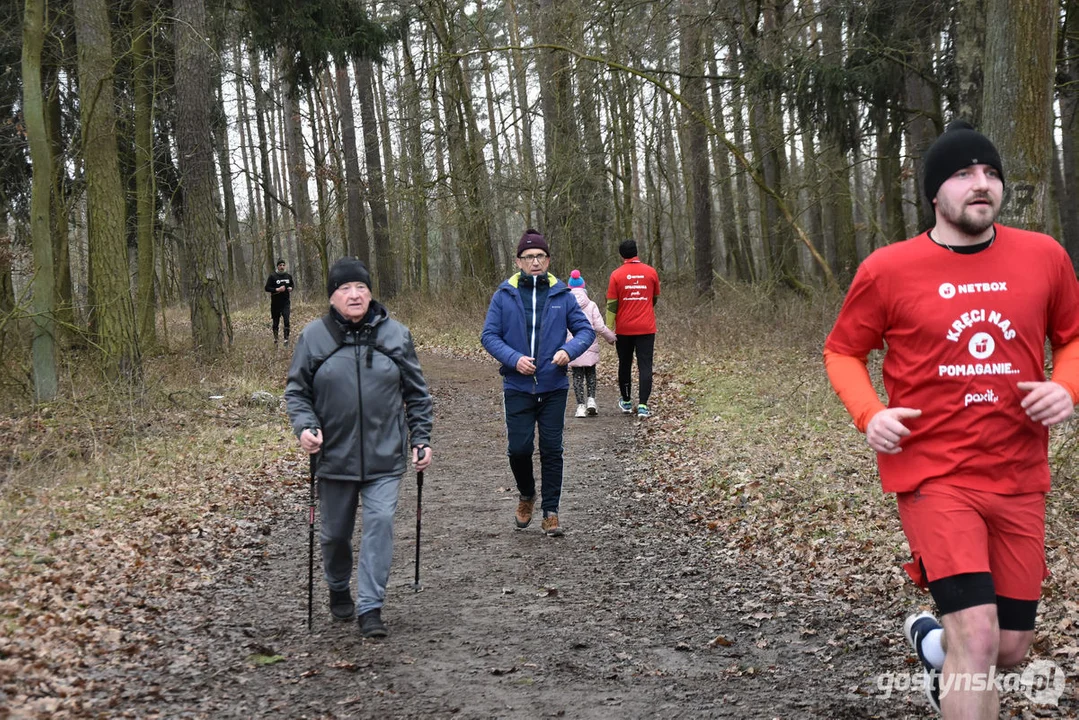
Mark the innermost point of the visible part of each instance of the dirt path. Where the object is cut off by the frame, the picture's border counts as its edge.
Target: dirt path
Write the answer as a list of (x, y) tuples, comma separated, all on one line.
[(632, 614)]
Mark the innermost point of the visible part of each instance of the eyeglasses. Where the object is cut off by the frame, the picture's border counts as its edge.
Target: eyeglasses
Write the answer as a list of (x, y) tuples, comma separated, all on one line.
[(532, 258)]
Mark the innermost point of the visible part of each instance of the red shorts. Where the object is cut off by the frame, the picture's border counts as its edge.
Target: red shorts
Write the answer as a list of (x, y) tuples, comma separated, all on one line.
[(952, 531)]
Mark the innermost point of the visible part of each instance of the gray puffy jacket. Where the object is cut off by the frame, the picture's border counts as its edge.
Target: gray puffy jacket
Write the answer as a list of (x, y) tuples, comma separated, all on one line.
[(362, 393)]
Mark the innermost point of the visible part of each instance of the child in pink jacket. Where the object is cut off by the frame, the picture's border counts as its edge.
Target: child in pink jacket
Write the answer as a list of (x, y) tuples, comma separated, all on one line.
[(584, 367)]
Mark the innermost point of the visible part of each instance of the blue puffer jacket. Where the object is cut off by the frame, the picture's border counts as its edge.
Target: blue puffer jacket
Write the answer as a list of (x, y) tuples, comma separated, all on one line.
[(505, 335)]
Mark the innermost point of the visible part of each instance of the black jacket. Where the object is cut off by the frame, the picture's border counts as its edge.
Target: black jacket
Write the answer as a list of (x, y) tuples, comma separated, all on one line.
[(368, 395)]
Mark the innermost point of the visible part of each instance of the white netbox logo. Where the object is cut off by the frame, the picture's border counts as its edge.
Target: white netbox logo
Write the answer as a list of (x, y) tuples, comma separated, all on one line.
[(946, 290)]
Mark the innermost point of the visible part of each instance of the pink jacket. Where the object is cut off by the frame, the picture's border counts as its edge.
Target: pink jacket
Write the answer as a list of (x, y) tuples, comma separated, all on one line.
[(591, 356)]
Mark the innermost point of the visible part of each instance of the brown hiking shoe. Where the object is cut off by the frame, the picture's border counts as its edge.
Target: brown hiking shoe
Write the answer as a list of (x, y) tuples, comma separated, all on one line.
[(550, 525), (523, 516)]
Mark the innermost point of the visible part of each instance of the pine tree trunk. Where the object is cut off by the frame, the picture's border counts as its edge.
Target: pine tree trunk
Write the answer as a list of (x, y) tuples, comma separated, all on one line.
[(971, 58), (201, 230), (1019, 67), (113, 311)]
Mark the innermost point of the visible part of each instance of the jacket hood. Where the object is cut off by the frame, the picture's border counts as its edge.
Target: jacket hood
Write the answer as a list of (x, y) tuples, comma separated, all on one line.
[(581, 294)]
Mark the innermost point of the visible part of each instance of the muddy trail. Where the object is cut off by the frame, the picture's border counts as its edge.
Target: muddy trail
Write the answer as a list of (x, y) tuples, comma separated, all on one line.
[(633, 613)]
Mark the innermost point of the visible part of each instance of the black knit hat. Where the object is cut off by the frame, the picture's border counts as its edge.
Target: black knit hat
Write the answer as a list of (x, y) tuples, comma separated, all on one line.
[(628, 249), (346, 270), (532, 240), (959, 146)]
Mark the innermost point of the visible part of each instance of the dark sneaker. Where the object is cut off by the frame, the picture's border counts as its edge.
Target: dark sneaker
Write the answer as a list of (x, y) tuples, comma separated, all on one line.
[(371, 625), (915, 629), (550, 525), (523, 516), (341, 605), (643, 412), (625, 406)]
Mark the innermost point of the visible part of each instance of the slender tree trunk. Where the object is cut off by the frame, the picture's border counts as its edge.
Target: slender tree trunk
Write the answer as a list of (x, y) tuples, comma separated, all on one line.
[(113, 311), (358, 243), (237, 266), (499, 221), (743, 259), (417, 169), (298, 175), (393, 215), (693, 94), (64, 311), (837, 214), (563, 224), (529, 183), (468, 178), (201, 229), (321, 172), (889, 171), (247, 156), (728, 210), (266, 178), (385, 264), (445, 241), (43, 345), (145, 206), (1068, 92)]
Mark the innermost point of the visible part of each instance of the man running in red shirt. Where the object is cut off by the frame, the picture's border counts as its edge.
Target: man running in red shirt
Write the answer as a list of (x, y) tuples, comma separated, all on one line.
[(631, 298), (964, 310)]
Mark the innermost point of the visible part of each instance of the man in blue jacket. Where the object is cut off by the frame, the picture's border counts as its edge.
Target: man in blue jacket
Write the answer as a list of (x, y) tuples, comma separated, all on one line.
[(525, 330)]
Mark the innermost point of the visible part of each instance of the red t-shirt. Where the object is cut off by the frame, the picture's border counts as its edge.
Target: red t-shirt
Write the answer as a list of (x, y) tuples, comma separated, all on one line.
[(635, 286), (961, 331)]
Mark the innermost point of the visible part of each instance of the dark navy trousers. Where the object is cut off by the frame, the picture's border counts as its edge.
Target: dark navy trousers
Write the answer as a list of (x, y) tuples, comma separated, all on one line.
[(524, 413)]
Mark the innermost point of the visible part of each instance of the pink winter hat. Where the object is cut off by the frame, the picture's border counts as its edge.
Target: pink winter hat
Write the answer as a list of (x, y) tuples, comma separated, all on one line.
[(575, 279)]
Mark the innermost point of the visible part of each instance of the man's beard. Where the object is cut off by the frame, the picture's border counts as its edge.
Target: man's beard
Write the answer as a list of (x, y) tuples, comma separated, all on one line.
[(974, 225)]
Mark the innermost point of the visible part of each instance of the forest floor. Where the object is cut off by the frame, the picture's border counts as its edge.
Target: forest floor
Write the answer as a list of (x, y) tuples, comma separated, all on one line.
[(177, 588)]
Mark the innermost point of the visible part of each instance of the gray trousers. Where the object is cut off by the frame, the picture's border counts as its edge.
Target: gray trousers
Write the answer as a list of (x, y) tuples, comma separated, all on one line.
[(338, 500)]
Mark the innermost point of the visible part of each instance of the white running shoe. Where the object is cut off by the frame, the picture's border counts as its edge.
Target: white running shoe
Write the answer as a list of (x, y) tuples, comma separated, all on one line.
[(581, 412), (591, 407)]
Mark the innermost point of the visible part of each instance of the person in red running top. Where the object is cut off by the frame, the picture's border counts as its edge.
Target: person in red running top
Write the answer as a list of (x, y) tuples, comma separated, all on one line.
[(964, 310), (631, 299)]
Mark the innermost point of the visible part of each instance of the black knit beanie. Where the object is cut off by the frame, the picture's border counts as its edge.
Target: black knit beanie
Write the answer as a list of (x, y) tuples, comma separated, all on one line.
[(959, 146), (346, 270)]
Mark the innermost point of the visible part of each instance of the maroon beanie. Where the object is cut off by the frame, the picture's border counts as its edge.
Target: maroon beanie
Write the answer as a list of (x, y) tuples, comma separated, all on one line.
[(532, 240)]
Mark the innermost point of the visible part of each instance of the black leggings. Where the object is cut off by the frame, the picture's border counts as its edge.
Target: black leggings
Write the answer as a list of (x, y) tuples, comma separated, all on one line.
[(582, 376), (643, 346)]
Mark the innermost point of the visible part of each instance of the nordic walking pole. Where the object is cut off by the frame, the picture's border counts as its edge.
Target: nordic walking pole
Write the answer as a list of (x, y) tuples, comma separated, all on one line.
[(419, 514), (311, 538)]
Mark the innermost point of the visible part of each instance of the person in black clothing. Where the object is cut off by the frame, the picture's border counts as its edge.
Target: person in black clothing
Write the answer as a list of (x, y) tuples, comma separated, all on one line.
[(279, 285)]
